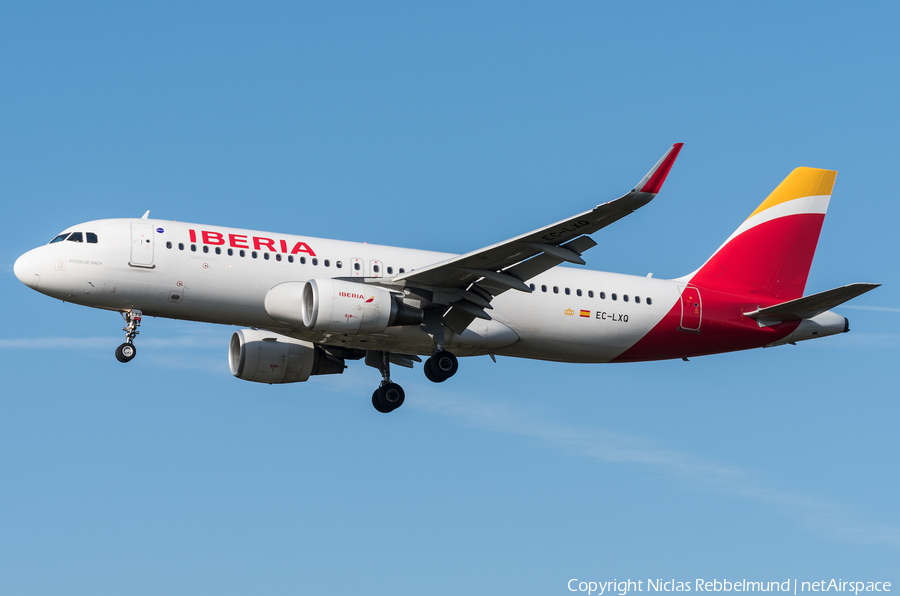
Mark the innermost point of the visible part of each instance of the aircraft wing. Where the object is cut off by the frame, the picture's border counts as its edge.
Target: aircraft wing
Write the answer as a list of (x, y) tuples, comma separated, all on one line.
[(469, 282)]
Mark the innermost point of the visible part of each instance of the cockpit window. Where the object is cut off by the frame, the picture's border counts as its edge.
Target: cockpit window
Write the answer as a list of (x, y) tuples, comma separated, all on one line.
[(59, 238), (91, 237), (75, 237)]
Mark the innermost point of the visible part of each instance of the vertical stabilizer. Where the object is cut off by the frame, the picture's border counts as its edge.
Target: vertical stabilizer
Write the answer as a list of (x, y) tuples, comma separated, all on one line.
[(772, 251)]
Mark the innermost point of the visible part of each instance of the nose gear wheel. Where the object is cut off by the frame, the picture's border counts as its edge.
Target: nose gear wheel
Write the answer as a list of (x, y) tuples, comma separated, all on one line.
[(127, 351)]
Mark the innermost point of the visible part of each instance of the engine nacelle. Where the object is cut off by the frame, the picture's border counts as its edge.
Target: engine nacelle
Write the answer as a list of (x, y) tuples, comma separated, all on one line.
[(265, 357), (335, 306)]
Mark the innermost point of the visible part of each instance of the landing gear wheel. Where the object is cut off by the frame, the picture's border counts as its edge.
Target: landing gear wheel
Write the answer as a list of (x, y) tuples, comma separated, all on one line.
[(441, 366), (429, 374), (388, 397), (126, 352), (377, 403)]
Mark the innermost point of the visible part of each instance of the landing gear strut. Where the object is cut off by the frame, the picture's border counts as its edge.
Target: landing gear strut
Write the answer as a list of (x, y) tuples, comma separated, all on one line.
[(127, 351), (441, 366), (389, 396)]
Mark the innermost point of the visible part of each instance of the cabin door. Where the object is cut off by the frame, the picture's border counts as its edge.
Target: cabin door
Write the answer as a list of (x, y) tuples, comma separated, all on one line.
[(691, 309), (141, 245)]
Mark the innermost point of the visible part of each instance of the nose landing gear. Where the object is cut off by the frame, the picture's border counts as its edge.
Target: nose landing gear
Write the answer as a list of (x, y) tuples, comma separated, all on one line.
[(127, 351)]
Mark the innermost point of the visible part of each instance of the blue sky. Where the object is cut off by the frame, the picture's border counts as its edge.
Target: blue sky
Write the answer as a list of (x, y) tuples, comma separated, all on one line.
[(445, 127)]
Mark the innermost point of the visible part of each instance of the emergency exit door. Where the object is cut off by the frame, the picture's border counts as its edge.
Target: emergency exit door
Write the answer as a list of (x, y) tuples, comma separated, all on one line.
[(357, 268), (691, 309)]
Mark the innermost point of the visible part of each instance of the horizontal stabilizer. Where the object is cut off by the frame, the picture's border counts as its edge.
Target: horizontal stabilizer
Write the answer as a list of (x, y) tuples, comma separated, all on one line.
[(810, 306)]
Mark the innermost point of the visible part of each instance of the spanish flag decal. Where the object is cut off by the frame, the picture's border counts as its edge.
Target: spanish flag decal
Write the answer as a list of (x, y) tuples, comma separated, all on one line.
[(586, 313)]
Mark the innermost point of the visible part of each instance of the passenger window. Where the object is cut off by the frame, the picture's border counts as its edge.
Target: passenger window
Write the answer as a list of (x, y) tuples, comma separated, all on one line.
[(242, 253), (327, 263), (613, 296), (206, 249), (625, 297), (266, 256), (401, 269), (531, 286), (218, 250), (75, 237), (290, 258), (375, 268), (315, 261), (59, 238), (193, 248), (568, 292), (277, 257), (590, 293), (181, 246), (602, 295), (230, 252), (356, 266), (391, 272), (338, 264), (168, 245), (92, 238), (649, 301), (637, 299), (556, 289), (303, 260), (543, 288), (253, 254), (578, 292)]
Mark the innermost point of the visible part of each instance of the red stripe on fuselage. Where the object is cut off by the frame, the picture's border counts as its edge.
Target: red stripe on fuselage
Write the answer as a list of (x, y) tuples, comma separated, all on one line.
[(724, 328), (766, 265)]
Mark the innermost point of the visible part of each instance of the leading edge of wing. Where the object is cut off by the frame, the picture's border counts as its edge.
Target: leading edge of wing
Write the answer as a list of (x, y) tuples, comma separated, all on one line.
[(462, 270)]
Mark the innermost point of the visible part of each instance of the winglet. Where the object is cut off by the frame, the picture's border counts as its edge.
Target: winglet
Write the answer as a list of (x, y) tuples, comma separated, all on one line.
[(653, 181)]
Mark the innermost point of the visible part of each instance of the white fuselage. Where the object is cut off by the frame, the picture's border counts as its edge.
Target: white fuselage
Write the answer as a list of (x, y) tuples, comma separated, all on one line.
[(184, 271)]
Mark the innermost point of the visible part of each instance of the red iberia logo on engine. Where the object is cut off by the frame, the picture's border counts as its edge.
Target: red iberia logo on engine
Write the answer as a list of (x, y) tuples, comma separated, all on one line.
[(356, 296)]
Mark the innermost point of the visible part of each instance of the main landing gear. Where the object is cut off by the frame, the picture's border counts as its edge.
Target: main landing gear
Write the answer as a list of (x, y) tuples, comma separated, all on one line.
[(441, 366), (127, 351), (389, 396)]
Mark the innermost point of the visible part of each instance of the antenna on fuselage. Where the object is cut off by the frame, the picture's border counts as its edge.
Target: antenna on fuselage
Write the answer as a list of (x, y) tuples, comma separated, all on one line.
[(146, 214)]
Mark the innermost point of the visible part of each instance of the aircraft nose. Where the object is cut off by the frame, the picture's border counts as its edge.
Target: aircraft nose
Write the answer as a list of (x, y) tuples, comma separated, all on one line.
[(28, 269)]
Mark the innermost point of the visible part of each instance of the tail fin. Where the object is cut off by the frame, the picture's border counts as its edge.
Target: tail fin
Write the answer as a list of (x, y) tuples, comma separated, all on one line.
[(772, 251)]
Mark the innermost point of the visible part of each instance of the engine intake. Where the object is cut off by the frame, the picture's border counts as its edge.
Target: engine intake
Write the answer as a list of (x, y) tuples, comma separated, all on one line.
[(265, 357), (335, 306)]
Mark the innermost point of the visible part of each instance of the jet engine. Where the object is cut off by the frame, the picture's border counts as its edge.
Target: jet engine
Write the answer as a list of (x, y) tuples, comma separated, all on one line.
[(265, 357), (335, 306)]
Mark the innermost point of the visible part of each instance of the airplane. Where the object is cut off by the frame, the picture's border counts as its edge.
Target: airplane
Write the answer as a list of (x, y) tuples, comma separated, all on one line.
[(308, 305)]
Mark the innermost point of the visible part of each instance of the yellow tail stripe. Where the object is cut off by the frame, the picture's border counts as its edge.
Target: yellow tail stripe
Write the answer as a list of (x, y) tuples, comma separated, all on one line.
[(802, 182)]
